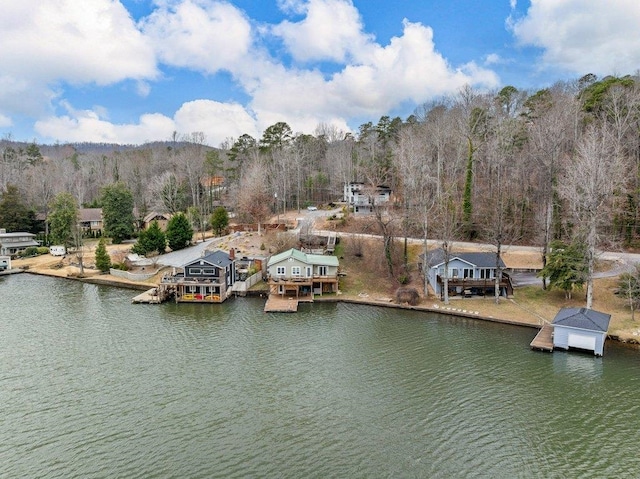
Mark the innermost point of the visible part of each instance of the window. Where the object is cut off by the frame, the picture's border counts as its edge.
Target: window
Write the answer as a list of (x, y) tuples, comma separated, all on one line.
[(322, 270), (295, 271), (280, 271)]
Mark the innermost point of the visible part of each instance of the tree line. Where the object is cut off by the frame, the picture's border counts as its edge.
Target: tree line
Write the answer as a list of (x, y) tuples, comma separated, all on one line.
[(507, 166)]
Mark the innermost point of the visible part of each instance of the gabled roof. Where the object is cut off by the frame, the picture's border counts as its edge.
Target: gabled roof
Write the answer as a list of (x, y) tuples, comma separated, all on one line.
[(89, 214), (155, 215), (217, 258), (315, 259), (478, 259), (582, 318)]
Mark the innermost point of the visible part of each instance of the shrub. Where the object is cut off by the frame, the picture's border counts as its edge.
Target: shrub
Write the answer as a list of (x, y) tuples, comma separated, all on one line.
[(42, 250), (407, 295), (30, 251)]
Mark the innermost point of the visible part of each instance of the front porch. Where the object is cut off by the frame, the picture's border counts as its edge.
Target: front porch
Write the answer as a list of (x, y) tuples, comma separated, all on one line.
[(195, 291), (302, 288)]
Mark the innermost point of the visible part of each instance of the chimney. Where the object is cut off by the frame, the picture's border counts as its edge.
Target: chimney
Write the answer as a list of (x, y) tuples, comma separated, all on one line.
[(232, 254)]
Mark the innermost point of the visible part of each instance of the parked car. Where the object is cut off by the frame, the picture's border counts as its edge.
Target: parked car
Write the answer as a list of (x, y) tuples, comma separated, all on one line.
[(312, 208)]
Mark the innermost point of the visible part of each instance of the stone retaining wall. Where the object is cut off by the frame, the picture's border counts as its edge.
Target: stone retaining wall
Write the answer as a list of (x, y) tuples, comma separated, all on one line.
[(132, 276)]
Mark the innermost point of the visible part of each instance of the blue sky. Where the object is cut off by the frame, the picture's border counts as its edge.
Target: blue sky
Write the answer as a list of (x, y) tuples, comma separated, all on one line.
[(130, 71)]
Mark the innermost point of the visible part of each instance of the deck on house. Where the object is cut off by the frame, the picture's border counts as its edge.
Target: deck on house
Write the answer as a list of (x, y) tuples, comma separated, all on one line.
[(544, 339)]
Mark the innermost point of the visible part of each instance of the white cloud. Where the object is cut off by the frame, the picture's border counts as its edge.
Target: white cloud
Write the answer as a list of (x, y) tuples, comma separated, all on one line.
[(584, 37), (88, 125), (330, 30), (218, 121), (98, 42), (5, 121), (492, 59), (46, 44), (381, 79), (202, 35), (72, 41)]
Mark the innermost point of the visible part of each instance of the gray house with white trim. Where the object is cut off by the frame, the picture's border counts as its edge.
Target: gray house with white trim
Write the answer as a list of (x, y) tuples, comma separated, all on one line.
[(580, 328), (469, 274)]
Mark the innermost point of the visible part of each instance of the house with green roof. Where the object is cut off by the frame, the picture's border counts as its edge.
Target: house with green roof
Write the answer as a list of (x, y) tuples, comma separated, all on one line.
[(301, 275)]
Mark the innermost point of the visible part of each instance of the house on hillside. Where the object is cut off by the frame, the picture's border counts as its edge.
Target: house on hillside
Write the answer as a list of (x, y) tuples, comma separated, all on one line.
[(207, 279), (294, 273), (469, 274), (14, 243), (161, 218), (90, 220), (580, 328), (213, 186), (362, 198)]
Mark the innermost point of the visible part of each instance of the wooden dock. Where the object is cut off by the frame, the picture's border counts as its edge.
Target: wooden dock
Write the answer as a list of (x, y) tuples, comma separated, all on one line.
[(279, 304), (544, 339), (151, 296)]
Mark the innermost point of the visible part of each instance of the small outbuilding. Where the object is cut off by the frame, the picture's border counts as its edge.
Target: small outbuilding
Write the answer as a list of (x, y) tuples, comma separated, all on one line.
[(5, 263), (580, 328)]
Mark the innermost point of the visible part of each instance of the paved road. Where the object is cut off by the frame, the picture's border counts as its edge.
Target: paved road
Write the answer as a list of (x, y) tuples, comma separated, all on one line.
[(621, 261)]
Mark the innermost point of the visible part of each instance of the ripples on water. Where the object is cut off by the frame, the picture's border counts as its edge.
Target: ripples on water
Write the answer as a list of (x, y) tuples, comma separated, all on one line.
[(92, 386)]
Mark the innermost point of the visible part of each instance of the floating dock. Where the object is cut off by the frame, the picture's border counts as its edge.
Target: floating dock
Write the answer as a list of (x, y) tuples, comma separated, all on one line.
[(544, 339), (151, 296), (280, 304)]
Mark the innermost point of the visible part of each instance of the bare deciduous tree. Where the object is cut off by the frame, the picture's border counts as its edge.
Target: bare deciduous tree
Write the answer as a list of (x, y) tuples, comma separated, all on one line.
[(588, 186)]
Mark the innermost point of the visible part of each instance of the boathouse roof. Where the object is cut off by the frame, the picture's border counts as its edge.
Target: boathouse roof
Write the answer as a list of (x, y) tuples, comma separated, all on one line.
[(583, 318)]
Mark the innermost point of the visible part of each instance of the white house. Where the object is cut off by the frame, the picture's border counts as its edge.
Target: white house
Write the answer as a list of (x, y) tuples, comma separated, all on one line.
[(580, 328), (361, 198), (14, 243), (297, 273)]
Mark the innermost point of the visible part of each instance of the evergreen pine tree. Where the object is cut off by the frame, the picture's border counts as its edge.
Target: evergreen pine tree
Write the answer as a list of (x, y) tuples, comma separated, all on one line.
[(179, 232), (103, 260)]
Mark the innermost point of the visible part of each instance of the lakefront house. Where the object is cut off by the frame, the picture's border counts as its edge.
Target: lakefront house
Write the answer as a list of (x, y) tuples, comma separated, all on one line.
[(298, 274), (469, 274), (14, 243)]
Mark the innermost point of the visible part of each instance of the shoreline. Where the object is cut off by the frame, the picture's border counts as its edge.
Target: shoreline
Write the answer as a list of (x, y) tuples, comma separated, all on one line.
[(108, 280)]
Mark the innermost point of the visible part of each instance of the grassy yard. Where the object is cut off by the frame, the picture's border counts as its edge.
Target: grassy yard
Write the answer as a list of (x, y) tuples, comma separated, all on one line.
[(366, 275)]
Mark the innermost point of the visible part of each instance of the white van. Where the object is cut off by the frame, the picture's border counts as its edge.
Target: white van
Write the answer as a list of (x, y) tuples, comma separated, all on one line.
[(58, 250)]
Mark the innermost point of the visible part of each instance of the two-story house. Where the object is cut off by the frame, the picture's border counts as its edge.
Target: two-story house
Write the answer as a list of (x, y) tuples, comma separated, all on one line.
[(14, 243), (90, 220), (207, 279), (362, 198), (469, 274), (294, 273)]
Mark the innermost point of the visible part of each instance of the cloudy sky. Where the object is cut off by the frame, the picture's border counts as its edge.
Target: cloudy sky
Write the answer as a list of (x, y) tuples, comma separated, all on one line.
[(130, 71)]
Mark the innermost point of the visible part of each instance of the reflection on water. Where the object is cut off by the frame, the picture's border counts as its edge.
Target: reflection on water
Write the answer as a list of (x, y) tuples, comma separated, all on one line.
[(580, 364), (93, 386)]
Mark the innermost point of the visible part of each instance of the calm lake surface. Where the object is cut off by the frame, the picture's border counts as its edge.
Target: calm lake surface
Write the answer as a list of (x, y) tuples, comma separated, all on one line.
[(92, 386)]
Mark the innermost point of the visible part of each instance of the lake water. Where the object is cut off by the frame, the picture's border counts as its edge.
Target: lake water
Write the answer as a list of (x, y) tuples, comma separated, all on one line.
[(92, 386)]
